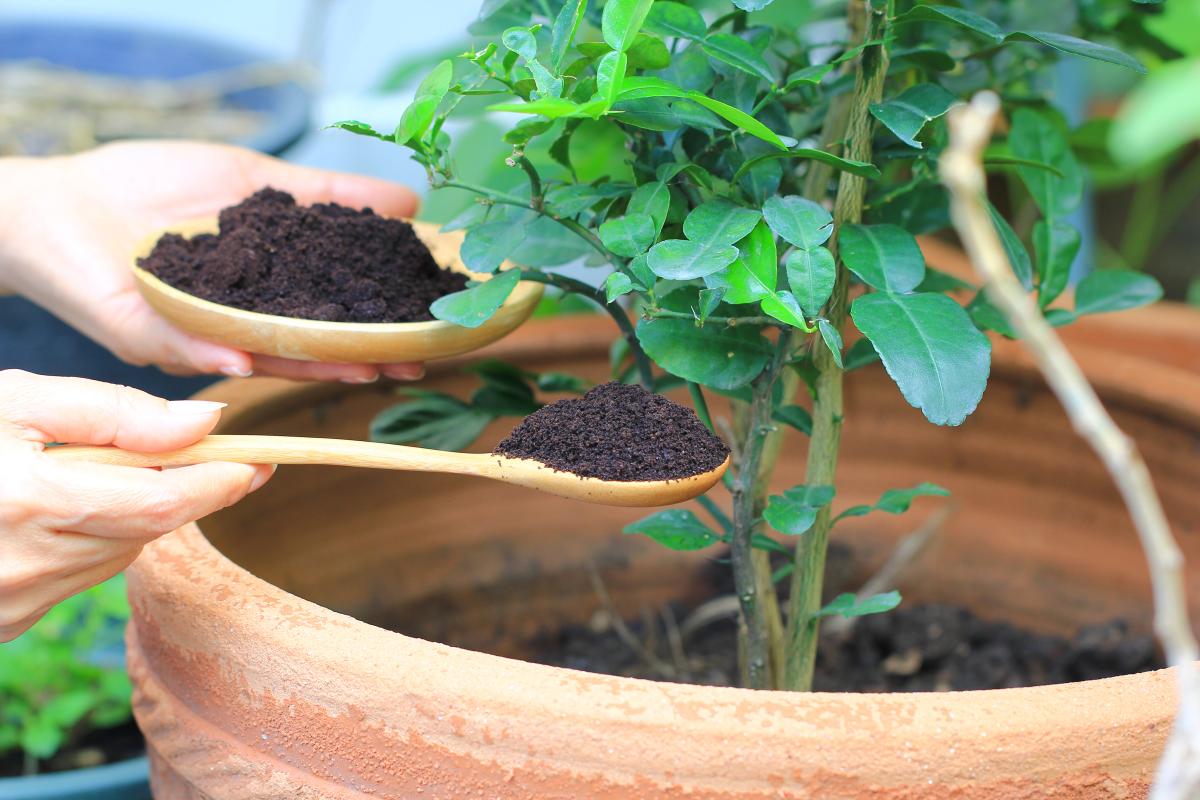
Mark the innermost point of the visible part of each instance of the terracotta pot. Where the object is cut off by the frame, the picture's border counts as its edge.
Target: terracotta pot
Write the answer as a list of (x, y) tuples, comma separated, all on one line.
[(258, 672)]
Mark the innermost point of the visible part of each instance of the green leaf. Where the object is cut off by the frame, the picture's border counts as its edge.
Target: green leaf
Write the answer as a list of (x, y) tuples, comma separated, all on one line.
[(653, 199), (811, 275), (639, 87), (709, 300), (621, 21), (833, 340), (486, 246), (930, 348), (906, 114), (739, 118), (597, 151), (675, 528), (648, 52), (361, 128), (676, 19), (433, 420), (885, 256), (41, 737), (719, 222), (794, 511), (549, 107), (1115, 290), (1159, 115), (610, 74), (738, 53), (897, 501), (617, 284), (566, 25), (860, 168), (987, 316), (640, 271), (752, 5), (848, 605), (419, 115), (860, 354), (1034, 137), (754, 274), (796, 416), (472, 307), (958, 16), (720, 357), (629, 235), (545, 243), (1056, 244), (679, 259), (1079, 47), (1018, 256), (798, 220), (520, 41), (784, 307), (811, 75)]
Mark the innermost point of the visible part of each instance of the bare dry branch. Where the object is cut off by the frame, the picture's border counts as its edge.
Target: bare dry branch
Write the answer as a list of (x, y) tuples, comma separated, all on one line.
[(1178, 775)]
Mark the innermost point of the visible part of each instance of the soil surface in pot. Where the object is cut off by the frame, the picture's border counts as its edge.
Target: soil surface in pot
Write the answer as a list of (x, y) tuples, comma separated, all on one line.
[(617, 432), (100, 746), (321, 262), (919, 649)]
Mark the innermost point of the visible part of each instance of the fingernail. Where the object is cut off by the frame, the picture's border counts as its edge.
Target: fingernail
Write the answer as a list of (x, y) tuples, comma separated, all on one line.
[(196, 407), (236, 372), (262, 476), (359, 380), (408, 373)]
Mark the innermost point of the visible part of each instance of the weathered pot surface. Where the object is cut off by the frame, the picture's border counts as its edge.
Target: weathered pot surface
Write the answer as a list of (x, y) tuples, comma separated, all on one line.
[(249, 683)]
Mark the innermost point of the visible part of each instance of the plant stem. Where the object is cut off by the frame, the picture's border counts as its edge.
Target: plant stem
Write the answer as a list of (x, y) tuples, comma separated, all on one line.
[(701, 405), (809, 575), (730, 321)]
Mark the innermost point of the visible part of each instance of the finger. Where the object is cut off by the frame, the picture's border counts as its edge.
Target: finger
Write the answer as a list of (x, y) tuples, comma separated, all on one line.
[(127, 502), (79, 411), (20, 614), (310, 185), (403, 372), (314, 370)]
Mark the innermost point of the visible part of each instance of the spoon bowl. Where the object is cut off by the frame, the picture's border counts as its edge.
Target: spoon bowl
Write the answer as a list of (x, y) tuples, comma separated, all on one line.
[(349, 453), (333, 342)]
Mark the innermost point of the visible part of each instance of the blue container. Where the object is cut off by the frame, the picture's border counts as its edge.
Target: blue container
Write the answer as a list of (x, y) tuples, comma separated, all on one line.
[(125, 780), (33, 339)]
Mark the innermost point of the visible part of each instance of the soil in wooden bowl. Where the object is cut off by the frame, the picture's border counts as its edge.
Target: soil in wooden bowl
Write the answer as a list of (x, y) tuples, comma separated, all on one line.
[(617, 432), (96, 747), (322, 262)]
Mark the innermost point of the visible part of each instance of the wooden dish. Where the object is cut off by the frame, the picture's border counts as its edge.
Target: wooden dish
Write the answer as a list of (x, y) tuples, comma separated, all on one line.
[(333, 342)]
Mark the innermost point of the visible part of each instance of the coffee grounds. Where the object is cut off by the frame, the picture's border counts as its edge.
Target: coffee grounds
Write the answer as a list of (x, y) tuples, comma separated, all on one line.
[(617, 432), (322, 262)]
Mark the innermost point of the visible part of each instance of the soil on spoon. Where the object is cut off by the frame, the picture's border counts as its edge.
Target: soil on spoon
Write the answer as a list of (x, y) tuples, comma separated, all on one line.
[(322, 262), (617, 432)]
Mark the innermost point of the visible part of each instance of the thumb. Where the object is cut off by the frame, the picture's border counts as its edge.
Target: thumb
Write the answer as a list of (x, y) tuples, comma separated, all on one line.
[(78, 411)]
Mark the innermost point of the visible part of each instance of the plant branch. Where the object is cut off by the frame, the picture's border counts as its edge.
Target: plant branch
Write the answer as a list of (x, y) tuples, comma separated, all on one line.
[(730, 321), (970, 130)]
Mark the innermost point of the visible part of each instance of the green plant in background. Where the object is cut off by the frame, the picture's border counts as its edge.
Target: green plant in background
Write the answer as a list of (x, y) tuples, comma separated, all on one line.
[(64, 677), (748, 178)]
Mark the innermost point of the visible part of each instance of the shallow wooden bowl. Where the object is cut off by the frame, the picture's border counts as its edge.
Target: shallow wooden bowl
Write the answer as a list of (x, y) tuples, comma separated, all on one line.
[(334, 342)]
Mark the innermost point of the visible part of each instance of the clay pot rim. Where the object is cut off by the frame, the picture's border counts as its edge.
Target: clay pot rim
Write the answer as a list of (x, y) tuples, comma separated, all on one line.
[(1167, 390)]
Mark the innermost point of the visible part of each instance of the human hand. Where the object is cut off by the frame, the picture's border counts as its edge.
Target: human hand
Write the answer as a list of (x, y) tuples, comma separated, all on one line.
[(67, 526), (76, 220)]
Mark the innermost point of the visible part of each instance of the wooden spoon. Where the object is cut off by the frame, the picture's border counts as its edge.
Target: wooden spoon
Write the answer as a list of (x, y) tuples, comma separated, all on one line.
[(333, 342), (350, 453)]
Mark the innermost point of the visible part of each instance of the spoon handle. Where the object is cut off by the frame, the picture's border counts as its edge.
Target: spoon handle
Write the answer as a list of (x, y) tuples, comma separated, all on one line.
[(280, 450)]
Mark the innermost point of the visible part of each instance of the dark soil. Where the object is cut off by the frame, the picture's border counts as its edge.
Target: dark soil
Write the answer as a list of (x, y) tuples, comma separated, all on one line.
[(323, 262), (102, 746), (920, 649), (617, 432)]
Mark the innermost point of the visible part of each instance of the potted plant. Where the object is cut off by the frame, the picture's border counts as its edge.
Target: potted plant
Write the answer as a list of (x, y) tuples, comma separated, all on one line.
[(752, 189), (65, 726)]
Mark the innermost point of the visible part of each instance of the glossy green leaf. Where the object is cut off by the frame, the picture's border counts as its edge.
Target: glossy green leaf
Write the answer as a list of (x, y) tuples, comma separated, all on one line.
[(472, 307), (545, 242), (957, 16), (653, 199), (738, 53), (862, 353), (811, 275), (709, 300), (621, 21), (811, 75), (676, 19), (520, 41), (1034, 137), (550, 107), (720, 222), (798, 220), (629, 235), (784, 307), (1078, 47), (648, 52), (906, 114), (717, 356), (566, 25), (739, 118), (486, 246), (641, 273), (885, 256), (419, 115), (597, 152), (897, 501), (860, 168), (610, 74), (675, 528), (754, 274), (617, 284), (431, 419), (1115, 290), (1014, 249), (1056, 244), (361, 128), (848, 605), (833, 340), (796, 416), (930, 348), (679, 259), (794, 511)]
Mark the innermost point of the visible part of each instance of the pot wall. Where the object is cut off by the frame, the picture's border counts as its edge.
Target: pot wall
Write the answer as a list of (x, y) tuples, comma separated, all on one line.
[(248, 684)]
